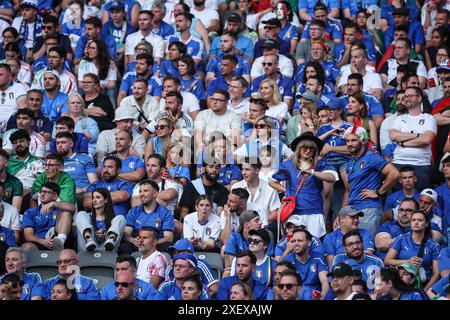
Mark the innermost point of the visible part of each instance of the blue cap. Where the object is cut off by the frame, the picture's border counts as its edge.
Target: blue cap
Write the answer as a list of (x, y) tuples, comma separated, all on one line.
[(116, 5), (188, 257), (335, 104), (183, 245)]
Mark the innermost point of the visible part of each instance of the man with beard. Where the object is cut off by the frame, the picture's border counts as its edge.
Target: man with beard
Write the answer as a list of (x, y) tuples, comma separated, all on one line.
[(42, 123), (289, 286), (309, 265), (125, 286), (365, 175), (67, 266), (120, 190), (152, 265), (79, 166), (55, 102), (13, 95), (355, 257), (341, 281), (80, 141), (144, 66), (47, 226), (348, 219), (142, 106), (229, 218), (245, 266), (207, 184), (25, 121), (11, 287), (132, 169), (148, 214)]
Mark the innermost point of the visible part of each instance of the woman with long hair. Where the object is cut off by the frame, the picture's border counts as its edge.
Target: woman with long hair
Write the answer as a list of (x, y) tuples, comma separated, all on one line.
[(74, 27), (439, 37), (189, 81), (270, 92), (163, 129), (241, 291), (100, 229), (304, 182), (418, 249), (97, 60), (389, 286), (309, 119), (173, 153), (357, 106), (83, 123), (98, 105), (61, 291)]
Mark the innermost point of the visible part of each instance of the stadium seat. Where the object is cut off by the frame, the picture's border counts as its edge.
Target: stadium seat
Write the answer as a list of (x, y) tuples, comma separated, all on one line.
[(43, 262), (99, 266), (214, 259)]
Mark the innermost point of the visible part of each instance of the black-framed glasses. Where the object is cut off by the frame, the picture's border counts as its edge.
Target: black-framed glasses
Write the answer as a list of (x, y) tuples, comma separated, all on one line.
[(409, 211), (267, 64), (261, 126), (46, 192), (123, 284), (161, 126), (288, 286), (351, 244), (65, 261), (254, 241), (219, 100)]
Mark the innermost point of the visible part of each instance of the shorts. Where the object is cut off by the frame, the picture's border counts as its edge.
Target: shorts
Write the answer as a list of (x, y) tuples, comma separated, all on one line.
[(314, 223), (339, 164)]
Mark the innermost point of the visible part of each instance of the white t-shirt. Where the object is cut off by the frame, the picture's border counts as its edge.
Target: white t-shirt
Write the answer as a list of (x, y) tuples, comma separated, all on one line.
[(37, 143), (414, 124), (9, 106), (392, 70), (284, 64), (371, 80), (153, 265), (385, 130), (210, 122), (234, 221), (11, 217), (278, 111), (208, 231), (90, 67), (156, 41), (205, 16)]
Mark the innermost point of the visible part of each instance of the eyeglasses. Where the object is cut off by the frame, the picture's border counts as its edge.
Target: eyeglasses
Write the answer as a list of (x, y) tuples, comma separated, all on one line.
[(351, 244), (65, 261), (3, 97), (161, 126), (254, 241), (401, 210), (410, 96), (261, 126), (182, 266), (123, 284), (46, 192), (288, 286), (312, 149), (219, 100), (267, 64)]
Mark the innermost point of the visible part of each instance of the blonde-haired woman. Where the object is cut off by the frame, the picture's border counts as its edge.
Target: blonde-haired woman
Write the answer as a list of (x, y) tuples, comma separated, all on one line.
[(270, 92), (163, 129), (83, 124), (304, 181), (309, 119)]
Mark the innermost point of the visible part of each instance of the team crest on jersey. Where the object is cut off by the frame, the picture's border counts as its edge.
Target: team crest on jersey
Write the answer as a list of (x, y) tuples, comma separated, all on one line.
[(2, 237), (26, 290), (109, 188), (78, 288), (228, 174), (421, 122), (208, 231), (58, 108), (259, 274), (281, 90), (132, 165), (157, 223), (54, 216), (362, 164), (139, 289), (11, 95), (313, 268), (8, 193)]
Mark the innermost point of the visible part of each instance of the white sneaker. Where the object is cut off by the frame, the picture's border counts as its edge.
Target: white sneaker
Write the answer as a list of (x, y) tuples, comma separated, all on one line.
[(110, 244), (90, 244), (58, 245)]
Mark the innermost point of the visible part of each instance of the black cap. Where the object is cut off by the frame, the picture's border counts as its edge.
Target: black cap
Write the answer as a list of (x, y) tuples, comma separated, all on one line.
[(341, 270), (270, 44), (403, 11), (273, 22), (261, 233), (234, 17)]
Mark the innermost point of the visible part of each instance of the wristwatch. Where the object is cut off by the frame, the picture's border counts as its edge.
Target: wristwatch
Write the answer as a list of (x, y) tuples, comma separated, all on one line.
[(378, 193)]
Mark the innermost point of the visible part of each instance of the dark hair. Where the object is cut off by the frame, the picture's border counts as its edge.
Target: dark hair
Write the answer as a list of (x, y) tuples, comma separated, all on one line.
[(115, 159), (161, 159), (319, 80), (249, 254), (147, 57), (12, 30), (294, 274), (319, 23), (349, 234), (407, 42), (37, 91), (59, 50), (417, 90), (442, 10), (230, 57), (391, 274), (53, 36), (66, 121), (202, 197), (171, 78), (11, 278), (127, 258), (286, 264), (48, 18), (358, 96), (73, 292), (308, 235), (13, 46), (320, 6), (180, 46), (360, 282), (260, 102), (66, 135), (56, 157), (103, 58), (241, 193), (52, 186), (225, 93), (4, 154), (407, 169), (253, 161), (416, 204), (358, 77), (427, 231), (94, 21), (108, 210), (153, 184), (19, 134), (26, 112), (195, 278), (320, 72), (186, 16), (189, 61), (154, 231), (185, 7), (175, 94), (230, 34), (442, 31), (241, 79), (361, 296)]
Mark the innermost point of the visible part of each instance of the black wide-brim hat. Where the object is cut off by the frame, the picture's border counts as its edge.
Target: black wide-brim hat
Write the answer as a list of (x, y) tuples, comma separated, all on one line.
[(308, 135)]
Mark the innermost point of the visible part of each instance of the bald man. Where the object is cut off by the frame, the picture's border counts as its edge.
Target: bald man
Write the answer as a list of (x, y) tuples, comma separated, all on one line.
[(125, 286), (67, 265)]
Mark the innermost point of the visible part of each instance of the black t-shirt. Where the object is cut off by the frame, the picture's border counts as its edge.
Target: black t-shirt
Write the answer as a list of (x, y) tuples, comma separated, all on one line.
[(102, 101), (218, 193)]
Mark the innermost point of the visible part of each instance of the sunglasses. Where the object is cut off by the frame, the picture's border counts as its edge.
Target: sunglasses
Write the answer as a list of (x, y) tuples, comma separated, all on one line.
[(261, 126), (269, 27), (312, 149), (123, 284), (161, 126), (267, 64), (66, 261), (253, 241), (288, 286)]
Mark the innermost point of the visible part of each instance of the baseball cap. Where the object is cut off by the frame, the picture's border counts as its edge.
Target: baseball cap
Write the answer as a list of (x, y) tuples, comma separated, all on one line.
[(341, 270), (270, 44), (246, 216), (116, 5), (296, 220), (182, 245), (403, 11), (413, 270), (350, 211), (309, 95), (441, 164), (29, 3), (444, 66), (430, 193), (335, 104), (123, 114), (188, 257), (261, 233), (54, 72), (234, 17), (273, 22)]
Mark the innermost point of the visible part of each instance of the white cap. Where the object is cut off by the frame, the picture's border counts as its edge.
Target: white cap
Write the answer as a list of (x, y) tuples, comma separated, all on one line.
[(30, 3), (295, 220), (430, 193), (123, 114), (441, 164)]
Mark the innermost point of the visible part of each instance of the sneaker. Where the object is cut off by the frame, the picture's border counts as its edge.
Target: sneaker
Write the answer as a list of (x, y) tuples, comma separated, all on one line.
[(90, 244), (110, 244), (58, 245)]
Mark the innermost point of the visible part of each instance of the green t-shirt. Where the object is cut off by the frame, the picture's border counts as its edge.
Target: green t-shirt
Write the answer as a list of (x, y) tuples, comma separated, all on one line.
[(65, 182), (292, 128), (13, 188)]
